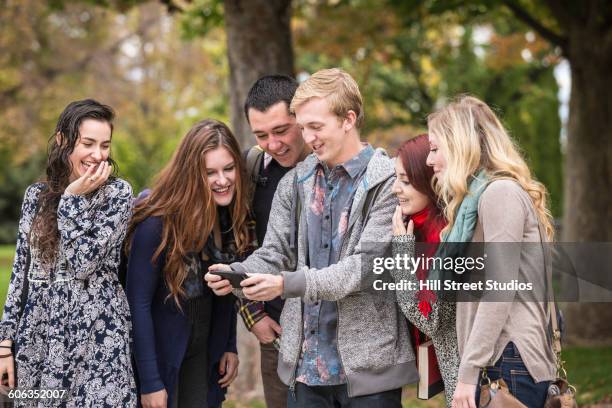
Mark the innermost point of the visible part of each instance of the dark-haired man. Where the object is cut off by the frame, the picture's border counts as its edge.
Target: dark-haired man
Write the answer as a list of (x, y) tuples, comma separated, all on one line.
[(279, 147)]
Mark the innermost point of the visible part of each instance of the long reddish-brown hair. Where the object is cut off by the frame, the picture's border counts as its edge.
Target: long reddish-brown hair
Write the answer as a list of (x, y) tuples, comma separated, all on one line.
[(413, 155), (181, 196)]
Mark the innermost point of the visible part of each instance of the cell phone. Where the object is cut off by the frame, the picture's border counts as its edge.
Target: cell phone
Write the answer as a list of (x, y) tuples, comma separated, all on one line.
[(232, 276)]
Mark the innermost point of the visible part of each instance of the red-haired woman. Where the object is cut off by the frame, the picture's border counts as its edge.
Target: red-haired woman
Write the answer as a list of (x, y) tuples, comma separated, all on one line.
[(418, 218), (194, 216)]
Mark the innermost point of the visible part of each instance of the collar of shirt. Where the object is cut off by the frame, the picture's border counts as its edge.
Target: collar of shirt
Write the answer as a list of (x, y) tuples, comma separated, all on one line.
[(267, 160), (354, 166)]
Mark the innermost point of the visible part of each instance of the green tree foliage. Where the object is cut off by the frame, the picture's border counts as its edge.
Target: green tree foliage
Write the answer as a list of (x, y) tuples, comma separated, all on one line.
[(409, 62), (130, 56), (163, 71), (12, 182)]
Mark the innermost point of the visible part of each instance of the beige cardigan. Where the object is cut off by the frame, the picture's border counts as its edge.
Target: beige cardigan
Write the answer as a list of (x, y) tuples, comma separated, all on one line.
[(506, 216)]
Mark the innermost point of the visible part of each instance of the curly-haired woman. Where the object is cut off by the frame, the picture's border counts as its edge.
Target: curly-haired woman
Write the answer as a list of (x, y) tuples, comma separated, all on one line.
[(66, 319)]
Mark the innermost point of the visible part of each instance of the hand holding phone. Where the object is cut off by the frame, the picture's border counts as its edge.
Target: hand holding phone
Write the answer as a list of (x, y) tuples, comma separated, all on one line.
[(232, 276)]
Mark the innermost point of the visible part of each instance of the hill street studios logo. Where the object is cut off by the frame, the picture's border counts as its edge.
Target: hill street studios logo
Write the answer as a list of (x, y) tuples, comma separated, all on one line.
[(457, 266)]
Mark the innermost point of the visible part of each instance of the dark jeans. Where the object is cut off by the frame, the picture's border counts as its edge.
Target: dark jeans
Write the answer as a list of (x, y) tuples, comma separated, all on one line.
[(275, 392), (520, 383), (336, 396)]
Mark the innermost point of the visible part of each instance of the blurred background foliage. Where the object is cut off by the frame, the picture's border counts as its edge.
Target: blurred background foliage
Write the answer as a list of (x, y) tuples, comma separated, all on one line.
[(162, 69)]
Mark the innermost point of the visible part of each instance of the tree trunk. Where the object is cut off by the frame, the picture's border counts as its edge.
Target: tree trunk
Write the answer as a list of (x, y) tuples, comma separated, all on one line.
[(258, 43), (588, 171)]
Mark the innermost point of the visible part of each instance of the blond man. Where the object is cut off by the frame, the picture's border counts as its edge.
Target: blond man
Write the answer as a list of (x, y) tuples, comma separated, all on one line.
[(341, 344)]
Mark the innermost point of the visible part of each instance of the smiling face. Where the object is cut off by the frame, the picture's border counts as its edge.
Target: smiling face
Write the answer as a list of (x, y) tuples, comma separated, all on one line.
[(221, 175), (436, 157), (324, 132), (411, 200), (277, 134), (92, 147)]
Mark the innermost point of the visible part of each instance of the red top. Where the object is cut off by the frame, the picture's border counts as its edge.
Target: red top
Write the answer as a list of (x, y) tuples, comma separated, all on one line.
[(427, 230)]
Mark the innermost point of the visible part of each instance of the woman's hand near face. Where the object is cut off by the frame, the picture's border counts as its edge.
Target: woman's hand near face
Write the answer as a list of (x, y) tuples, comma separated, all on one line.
[(399, 226), (157, 399), (91, 180)]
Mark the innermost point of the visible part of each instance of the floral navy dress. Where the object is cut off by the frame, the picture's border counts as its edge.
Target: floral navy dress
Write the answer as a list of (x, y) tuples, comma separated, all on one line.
[(71, 325)]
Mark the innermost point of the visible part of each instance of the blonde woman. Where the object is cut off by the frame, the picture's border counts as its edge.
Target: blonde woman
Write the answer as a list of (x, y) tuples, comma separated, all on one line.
[(490, 196)]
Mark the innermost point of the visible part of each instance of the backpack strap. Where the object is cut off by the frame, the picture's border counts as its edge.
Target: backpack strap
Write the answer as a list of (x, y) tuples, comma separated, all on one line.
[(254, 158)]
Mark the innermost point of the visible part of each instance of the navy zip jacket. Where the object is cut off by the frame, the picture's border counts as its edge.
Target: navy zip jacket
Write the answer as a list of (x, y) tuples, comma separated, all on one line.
[(160, 330)]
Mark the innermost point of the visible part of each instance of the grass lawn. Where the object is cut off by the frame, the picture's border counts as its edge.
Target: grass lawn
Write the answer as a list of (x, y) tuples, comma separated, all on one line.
[(7, 252), (589, 369)]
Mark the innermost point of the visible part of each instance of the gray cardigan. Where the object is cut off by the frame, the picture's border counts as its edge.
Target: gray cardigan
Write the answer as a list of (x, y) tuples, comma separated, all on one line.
[(508, 224), (373, 338)]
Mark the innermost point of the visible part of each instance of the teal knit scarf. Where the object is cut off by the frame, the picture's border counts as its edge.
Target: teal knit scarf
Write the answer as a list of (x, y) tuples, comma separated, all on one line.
[(455, 241), (467, 214)]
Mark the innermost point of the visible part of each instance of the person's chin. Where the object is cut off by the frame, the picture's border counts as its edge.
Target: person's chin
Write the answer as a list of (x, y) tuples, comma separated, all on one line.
[(321, 156), (223, 200), (406, 211), (286, 161)]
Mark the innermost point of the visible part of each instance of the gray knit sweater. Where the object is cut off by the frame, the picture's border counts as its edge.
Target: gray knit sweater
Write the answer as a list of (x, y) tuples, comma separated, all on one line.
[(373, 340)]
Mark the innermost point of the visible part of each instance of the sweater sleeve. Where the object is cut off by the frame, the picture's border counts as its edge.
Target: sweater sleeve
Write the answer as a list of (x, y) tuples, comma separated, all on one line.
[(405, 244), (91, 226), (142, 280), (251, 311), (502, 213), (13, 307)]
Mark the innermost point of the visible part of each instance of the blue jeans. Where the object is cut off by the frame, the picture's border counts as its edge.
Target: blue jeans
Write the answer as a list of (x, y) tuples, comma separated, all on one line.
[(336, 396), (520, 383)]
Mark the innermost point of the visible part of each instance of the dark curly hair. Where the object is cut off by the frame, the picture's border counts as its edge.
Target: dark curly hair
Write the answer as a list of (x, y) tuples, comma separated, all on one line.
[(59, 168)]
